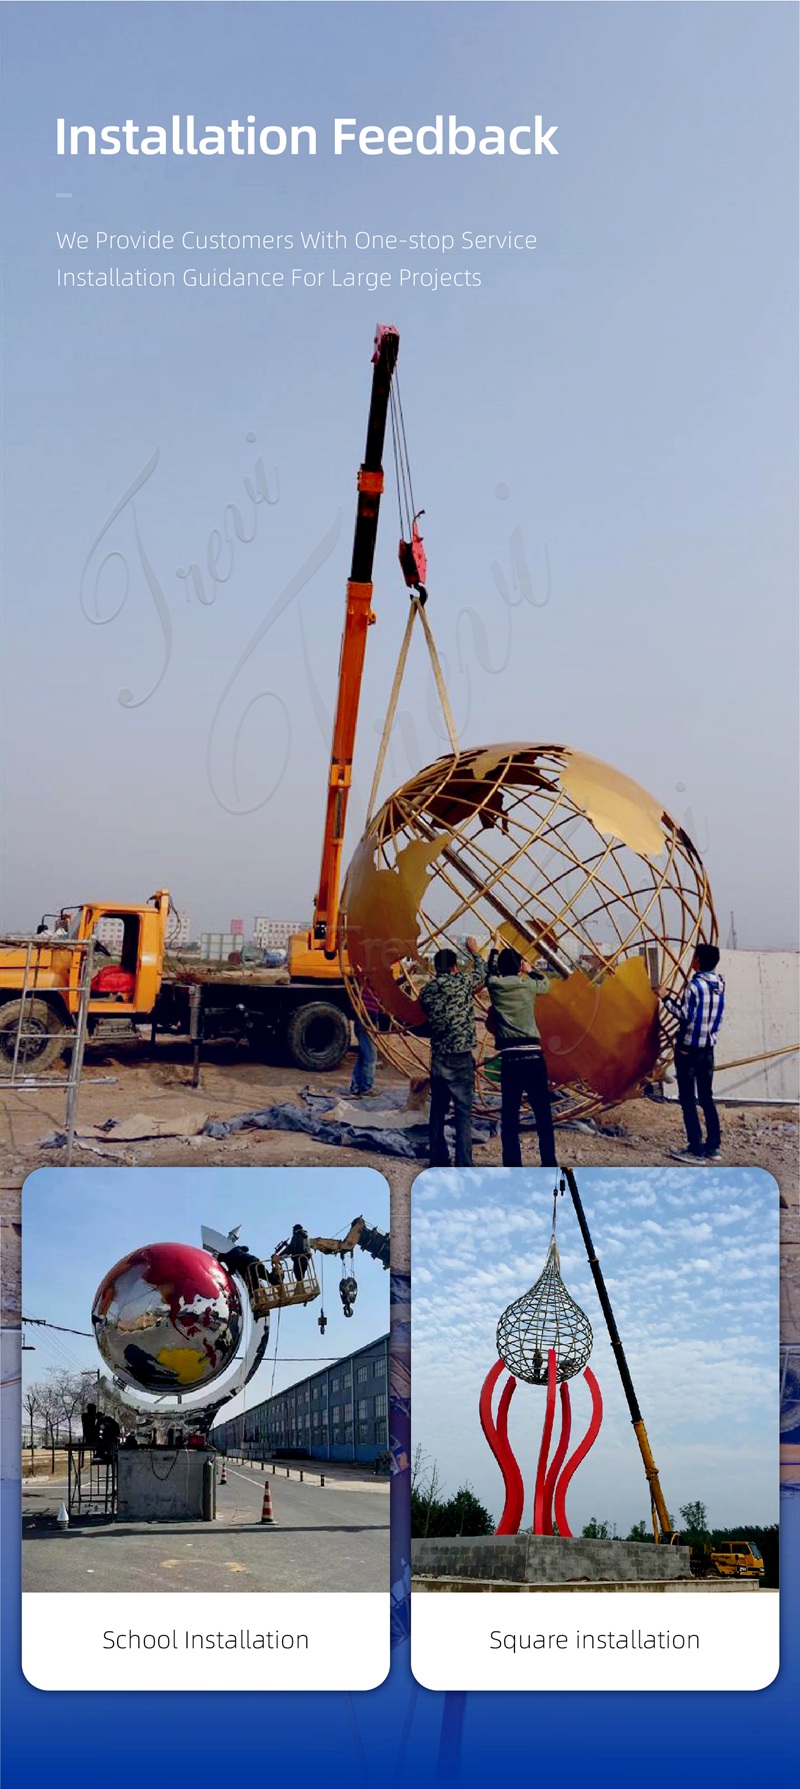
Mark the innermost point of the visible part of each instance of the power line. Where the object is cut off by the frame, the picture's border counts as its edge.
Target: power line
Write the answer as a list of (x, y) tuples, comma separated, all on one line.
[(42, 1323)]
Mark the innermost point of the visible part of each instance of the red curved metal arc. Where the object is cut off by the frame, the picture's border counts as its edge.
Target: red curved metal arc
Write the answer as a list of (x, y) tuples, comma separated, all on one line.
[(558, 1459), (485, 1406), (497, 1437), (547, 1430), (514, 1506), (580, 1453)]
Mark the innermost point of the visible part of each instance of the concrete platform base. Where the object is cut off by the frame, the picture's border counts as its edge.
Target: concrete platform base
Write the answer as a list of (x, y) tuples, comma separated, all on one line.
[(161, 1484), (673, 1586), (536, 1560)]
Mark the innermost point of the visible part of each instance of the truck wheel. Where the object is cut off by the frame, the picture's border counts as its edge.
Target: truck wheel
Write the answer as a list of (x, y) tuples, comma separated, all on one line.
[(318, 1036), (41, 1048)]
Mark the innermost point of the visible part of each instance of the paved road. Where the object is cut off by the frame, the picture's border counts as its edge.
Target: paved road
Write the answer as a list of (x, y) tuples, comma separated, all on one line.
[(331, 1538)]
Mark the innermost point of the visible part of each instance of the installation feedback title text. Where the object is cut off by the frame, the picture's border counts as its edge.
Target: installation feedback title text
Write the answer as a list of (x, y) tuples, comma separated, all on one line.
[(185, 136)]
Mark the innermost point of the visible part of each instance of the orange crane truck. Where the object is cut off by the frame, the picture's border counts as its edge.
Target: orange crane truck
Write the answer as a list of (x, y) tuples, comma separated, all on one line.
[(307, 1016)]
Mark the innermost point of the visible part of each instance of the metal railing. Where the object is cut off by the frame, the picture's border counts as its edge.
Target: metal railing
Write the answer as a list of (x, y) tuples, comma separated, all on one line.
[(22, 1075)]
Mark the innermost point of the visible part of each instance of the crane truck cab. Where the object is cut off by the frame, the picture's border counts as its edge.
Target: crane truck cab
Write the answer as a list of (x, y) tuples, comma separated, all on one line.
[(45, 974)]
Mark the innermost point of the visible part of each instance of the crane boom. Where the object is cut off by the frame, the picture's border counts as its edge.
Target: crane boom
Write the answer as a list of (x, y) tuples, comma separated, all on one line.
[(320, 945), (662, 1521)]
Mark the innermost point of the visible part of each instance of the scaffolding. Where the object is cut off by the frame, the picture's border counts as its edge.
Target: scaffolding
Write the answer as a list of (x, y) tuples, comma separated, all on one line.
[(91, 1482), (31, 1039)]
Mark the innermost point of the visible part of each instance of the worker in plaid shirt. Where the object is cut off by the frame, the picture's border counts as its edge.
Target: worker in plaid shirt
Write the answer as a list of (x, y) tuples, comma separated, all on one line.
[(699, 1012)]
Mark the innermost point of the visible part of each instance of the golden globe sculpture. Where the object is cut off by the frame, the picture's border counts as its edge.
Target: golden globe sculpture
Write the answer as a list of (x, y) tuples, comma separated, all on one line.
[(568, 860)]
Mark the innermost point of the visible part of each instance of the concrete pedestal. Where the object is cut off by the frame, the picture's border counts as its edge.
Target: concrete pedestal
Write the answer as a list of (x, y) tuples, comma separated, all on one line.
[(546, 1559), (162, 1484)]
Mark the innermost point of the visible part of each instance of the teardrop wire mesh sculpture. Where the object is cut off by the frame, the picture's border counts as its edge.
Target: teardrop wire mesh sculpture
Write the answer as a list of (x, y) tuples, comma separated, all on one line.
[(543, 1338), (545, 1318)]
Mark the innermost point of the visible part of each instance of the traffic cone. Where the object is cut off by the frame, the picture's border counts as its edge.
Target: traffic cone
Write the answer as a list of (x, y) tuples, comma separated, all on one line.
[(223, 1477), (62, 1519), (266, 1507)]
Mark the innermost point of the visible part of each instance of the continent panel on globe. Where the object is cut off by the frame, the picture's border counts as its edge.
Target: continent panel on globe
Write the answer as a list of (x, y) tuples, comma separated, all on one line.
[(567, 859), (168, 1317)]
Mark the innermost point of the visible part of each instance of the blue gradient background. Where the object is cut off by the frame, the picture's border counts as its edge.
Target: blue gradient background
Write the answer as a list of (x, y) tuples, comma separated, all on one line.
[(400, 1733)]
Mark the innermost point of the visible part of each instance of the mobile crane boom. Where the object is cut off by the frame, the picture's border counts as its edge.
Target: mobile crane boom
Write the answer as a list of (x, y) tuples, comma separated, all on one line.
[(316, 952)]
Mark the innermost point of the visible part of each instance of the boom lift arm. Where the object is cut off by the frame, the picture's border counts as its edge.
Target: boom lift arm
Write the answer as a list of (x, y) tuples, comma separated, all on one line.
[(310, 955), (361, 1236)]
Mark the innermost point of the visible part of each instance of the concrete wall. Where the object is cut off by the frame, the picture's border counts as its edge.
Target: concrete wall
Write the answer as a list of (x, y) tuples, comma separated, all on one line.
[(542, 1559), (762, 1013), (160, 1484)]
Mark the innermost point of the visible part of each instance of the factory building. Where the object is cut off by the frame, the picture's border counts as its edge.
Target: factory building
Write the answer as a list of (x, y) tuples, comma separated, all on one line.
[(274, 934), (339, 1413)]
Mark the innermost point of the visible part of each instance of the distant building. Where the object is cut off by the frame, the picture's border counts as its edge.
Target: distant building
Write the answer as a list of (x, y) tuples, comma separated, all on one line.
[(109, 932), (274, 934), (340, 1413), (216, 947), (179, 930)]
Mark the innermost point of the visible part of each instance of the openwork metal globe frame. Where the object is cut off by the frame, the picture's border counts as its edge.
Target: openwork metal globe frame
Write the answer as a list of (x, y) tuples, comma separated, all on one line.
[(569, 860), (545, 1317)]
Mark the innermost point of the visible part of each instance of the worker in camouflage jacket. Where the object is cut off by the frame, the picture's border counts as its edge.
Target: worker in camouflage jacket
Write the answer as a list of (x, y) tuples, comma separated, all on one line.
[(448, 1002)]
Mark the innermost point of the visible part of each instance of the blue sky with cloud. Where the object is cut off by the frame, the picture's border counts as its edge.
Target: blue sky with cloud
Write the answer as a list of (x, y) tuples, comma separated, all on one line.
[(690, 1259)]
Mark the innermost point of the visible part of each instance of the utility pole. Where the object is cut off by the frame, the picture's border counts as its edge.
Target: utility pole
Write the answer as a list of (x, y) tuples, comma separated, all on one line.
[(662, 1525)]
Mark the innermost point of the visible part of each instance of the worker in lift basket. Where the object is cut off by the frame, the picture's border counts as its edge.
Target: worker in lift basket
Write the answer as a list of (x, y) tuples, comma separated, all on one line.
[(448, 1002), (699, 1011), (241, 1260), (299, 1248)]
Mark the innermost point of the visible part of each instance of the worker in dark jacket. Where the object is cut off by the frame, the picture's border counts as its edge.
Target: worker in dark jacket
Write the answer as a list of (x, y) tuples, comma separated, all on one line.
[(448, 1002), (513, 995), (299, 1249)]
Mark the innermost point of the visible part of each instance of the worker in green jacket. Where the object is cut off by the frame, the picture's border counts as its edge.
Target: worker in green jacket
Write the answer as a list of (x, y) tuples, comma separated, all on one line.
[(513, 993)]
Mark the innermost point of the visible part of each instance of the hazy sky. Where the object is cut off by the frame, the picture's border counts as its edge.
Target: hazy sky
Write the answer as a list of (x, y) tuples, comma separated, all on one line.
[(79, 1223), (621, 402), (690, 1260)]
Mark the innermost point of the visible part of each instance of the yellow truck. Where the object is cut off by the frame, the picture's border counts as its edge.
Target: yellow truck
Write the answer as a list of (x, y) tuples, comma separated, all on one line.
[(309, 1020), (728, 1559)]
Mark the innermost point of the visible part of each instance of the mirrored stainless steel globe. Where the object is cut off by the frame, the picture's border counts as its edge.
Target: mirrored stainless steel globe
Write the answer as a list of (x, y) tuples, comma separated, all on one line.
[(168, 1317)]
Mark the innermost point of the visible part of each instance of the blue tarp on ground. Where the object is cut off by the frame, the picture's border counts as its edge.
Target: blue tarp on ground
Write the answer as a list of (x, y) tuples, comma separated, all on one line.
[(407, 1139), (410, 1142)]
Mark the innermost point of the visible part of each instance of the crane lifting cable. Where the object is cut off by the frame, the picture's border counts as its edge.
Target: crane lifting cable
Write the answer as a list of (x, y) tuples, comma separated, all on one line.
[(411, 552), (414, 566)]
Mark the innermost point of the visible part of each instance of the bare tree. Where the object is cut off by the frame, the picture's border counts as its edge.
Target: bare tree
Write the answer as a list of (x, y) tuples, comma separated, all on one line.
[(426, 1482), (68, 1393), (31, 1405)]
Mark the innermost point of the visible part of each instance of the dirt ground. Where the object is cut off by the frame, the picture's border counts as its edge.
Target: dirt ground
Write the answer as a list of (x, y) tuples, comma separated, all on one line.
[(158, 1085)]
